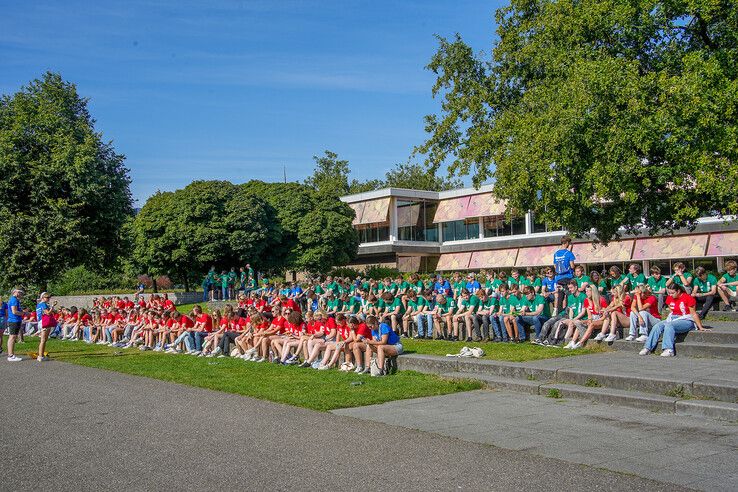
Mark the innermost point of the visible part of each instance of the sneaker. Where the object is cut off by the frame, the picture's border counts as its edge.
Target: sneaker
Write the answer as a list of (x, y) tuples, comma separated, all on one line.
[(276, 360), (727, 307), (667, 353), (537, 341), (599, 337), (611, 338), (201, 354), (630, 338), (217, 351), (305, 364), (367, 370), (359, 370), (343, 367), (142, 348), (349, 366), (545, 343), (196, 352), (642, 338), (569, 345), (644, 351), (41, 358), (14, 358), (221, 356), (381, 374), (260, 359), (210, 355), (576, 346), (323, 368)]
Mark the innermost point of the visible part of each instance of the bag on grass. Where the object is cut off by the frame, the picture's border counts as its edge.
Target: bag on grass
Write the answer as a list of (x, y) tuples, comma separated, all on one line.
[(374, 368)]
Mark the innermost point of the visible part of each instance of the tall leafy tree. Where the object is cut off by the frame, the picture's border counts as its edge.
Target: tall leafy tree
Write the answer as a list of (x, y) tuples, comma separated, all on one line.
[(64, 193), (326, 237), (415, 176), (597, 114)]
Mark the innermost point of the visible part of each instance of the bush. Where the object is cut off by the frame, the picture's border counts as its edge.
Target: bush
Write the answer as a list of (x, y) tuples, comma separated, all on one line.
[(348, 272), (81, 279), (147, 281), (164, 283), (379, 272)]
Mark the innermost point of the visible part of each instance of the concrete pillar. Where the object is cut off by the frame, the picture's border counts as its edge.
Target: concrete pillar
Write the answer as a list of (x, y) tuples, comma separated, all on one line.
[(528, 223), (393, 219), (481, 227)]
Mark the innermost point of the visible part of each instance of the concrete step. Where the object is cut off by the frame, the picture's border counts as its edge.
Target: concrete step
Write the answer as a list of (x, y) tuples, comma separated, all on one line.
[(645, 375), (687, 348), (718, 333), (659, 403)]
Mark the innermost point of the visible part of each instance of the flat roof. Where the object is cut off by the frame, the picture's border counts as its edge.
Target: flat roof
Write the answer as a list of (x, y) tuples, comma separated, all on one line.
[(408, 193)]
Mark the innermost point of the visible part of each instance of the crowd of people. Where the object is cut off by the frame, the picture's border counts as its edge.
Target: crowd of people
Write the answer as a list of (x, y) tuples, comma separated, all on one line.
[(348, 323)]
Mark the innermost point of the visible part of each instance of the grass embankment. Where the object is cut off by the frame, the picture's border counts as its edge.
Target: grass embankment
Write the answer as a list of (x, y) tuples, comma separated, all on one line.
[(308, 388)]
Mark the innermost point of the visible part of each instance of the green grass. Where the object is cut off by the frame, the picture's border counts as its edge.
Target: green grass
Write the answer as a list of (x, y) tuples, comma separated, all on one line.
[(323, 391), (512, 352)]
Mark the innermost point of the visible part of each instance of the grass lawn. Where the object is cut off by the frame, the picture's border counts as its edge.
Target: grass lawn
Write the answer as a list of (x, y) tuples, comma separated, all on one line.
[(324, 390), (512, 352)]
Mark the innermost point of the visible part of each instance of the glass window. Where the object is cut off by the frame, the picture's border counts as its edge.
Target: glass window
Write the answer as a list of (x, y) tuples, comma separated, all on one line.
[(415, 220), (501, 226), (372, 233)]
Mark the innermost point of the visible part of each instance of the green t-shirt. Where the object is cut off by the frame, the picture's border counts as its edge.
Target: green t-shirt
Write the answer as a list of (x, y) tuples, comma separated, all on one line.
[(397, 303), (704, 287), (505, 304), (445, 307), (224, 281), (635, 280), (731, 278), (537, 301), (604, 285), (404, 286), (490, 304), (511, 281), (474, 303), (458, 287), (515, 303), (419, 287), (657, 286), (354, 305), (334, 304), (583, 279), (576, 304), (678, 280), (618, 281), (319, 290)]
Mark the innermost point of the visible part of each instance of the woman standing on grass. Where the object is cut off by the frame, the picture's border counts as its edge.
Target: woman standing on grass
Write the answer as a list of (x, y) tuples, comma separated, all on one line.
[(682, 319)]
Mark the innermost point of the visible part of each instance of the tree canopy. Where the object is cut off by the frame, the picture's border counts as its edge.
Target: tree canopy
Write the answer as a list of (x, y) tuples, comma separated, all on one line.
[(64, 195), (597, 114)]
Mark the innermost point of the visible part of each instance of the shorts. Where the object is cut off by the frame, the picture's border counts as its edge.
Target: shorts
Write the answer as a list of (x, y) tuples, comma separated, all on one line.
[(398, 347), (581, 327), (14, 328)]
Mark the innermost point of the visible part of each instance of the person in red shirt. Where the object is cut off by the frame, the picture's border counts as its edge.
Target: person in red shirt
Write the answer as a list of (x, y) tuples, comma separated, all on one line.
[(644, 313), (248, 342), (203, 327), (274, 332), (236, 327), (683, 318), (225, 322), (345, 336), (358, 346), (326, 334), (296, 329)]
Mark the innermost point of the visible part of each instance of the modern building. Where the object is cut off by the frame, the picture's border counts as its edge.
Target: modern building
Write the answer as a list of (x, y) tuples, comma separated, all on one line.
[(468, 229)]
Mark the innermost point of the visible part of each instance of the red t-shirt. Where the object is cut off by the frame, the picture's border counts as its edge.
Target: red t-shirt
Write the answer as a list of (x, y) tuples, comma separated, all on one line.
[(313, 327), (207, 322), (225, 323), (364, 331), (186, 322), (290, 303), (588, 305), (262, 326), (680, 306), (653, 306), (86, 319), (279, 322), (170, 322), (120, 304), (343, 330), (168, 305), (129, 304), (242, 323), (330, 324)]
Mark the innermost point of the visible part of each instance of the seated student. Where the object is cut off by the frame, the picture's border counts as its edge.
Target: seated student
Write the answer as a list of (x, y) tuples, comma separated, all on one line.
[(657, 284), (384, 342), (151, 325), (682, 319), (237, 327), (297, 336), (603, 284), (275, 330), (530, 279), (615, 276), (644, 313), (326, 334), (473, 303), (728, 284), (577, 317), (203, 327), (250, 340), (548, 285), (358, 347), (277, 340), (618, 311), (443, 313), (704, 290), (424, 306), (333, 350), (84, 320), (497, 317), (681, 277), (411, 310), (512, 308), (482, 320), (472, 284), (117, 328), (535, 312), (333, 304), (461, 315), (598, 314), (635, 277), (582, 279), (133, 325), (161, 332)]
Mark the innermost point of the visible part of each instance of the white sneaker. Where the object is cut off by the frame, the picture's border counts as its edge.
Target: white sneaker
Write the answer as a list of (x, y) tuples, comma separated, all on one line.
[(667, 353), (629, 338), (349, 366), (201, 354), (576, 345), (41, 358), (645, 351), (323, 368), (217, 351), (642, 338), (569, 345), (611, 338), (221, 356), (196, 352), (359, 370), (260, 359), (14, 358), (599, 337)]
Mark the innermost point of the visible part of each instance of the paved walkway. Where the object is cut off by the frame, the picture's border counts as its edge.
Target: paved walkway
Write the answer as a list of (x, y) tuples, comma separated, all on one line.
[(104, 430), (700, 454)]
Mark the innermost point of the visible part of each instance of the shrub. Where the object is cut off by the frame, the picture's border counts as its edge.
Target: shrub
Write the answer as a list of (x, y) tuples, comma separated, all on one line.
[(379, 272), (348, 272), (164, 283), (80, 279), (147, 281)]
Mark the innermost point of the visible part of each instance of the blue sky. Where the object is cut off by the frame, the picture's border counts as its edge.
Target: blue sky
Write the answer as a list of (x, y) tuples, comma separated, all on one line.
[(238, 89)]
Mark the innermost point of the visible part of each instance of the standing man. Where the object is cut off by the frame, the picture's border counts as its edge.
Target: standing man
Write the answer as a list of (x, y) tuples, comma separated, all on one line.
[(15, 317), (564, 267)]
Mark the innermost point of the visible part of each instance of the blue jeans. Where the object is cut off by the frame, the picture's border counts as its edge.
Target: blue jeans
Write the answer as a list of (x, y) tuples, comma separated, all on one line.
[(197, 337), (498, 327), (669, 329), (649, 321), (205, 289), (225, 292), (525, 321), (185, 337), (425, 324)]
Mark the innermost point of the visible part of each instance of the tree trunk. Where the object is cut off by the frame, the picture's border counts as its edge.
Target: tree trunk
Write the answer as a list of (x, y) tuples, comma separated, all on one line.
[(153, 282), (186, 282)]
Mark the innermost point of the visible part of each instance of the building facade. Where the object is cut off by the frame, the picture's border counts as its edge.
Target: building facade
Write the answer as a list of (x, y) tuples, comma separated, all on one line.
[(468, 229)]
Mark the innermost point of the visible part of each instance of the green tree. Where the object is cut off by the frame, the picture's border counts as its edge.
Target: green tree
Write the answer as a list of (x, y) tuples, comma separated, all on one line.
[(415, 176), (331, 174), (64, 196), (326, 237), (597, 114)]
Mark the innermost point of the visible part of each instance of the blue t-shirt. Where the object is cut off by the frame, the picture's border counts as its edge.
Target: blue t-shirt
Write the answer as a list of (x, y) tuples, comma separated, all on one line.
[(14, 318), (562, 264), (549, 284), (442, 287), (40, 309), (3, 309), (296, 291), (472, 287), (384, 329)]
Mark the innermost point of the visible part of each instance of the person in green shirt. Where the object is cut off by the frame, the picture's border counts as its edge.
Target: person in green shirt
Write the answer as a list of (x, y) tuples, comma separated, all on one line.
[(582, 280), (657, 283), (486, 313), (411, 302), (516, 306), (514, 278), (704, 290), (535, 312), (635, 277), (232, 283), (470, 304), (443, 313), (223, 278), (681, 276), (503, 310), (333, 304), (728, 284), (394, 308), (531, 279), (616, 276), (577, 313)]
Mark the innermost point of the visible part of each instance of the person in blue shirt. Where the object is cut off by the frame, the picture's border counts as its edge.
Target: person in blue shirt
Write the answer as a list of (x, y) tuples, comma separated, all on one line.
[(43, 308), (442, 286), (564, 267), (15, 318), (472, 284), (3, 317), (385, 343)]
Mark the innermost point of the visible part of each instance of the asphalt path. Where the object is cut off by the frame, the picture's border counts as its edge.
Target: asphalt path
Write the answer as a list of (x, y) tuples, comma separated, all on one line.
[(68, 427)]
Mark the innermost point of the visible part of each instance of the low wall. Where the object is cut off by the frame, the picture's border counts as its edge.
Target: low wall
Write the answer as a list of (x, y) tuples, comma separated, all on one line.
[(86, 301)]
